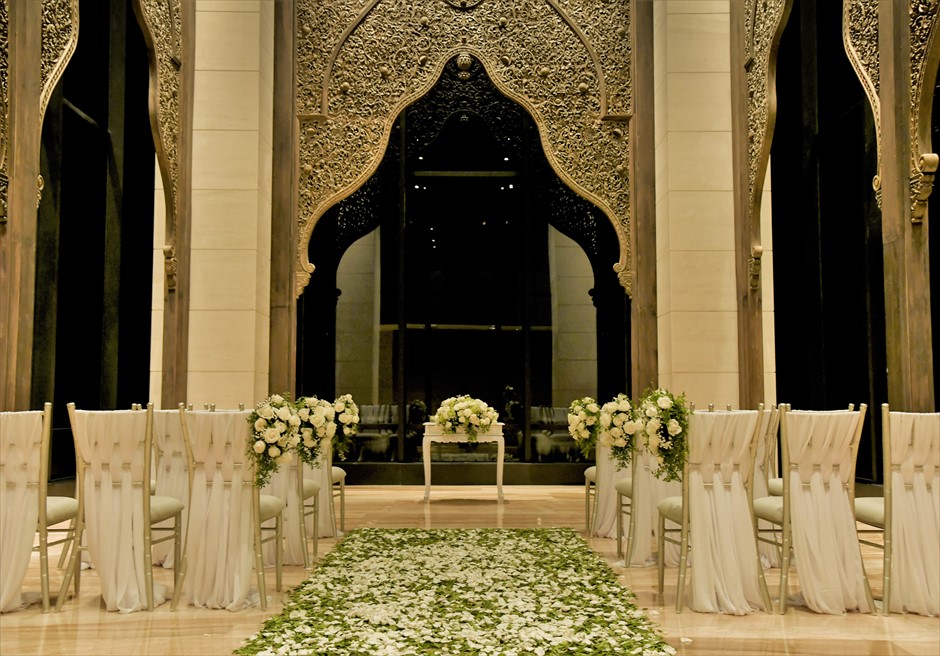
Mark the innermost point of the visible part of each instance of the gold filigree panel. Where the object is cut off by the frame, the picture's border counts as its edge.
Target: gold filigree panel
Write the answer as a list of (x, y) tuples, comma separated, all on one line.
[(860, 38), (59, 38), (161, 23), (763, 23), (360, 63)]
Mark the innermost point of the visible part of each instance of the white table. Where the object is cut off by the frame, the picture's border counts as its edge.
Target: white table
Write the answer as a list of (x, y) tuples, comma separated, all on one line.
[(434, 433)]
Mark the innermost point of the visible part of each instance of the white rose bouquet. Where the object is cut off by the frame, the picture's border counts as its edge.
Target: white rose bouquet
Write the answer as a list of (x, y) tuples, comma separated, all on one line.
[(618, 426), (665, 419), (583, 422), (316, 424), (274, 435), (473, 415), (347, 413)]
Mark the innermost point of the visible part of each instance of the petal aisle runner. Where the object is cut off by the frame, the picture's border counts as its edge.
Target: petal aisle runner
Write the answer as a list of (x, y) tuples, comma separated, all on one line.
[(457, 591)]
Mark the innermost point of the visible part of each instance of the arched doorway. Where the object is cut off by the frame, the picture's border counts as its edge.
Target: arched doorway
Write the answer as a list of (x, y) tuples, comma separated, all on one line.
[(476, 270)]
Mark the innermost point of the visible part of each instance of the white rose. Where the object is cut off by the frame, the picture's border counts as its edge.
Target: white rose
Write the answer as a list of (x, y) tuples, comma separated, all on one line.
[(309, 442), (273, 451), (283, 413), (277, 399), (260, 446), (653, 442), (271, 435), (605, 420), (318, 420), (664, 402), (651, 411), (592, 407), (304, 414), (590, 421), (623, 406), (339, 407), (629, 427), (618, 420), (673, 427), (330, 429), (294, 421), (344, 418), (619, 442), (475, 420), (260, 424), (266, 411), (652, 426), (616, 432)]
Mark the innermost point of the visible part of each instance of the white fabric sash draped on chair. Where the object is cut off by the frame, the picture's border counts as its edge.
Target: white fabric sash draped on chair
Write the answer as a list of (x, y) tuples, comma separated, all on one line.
[(20, 435), (915, 513), (171, 474)]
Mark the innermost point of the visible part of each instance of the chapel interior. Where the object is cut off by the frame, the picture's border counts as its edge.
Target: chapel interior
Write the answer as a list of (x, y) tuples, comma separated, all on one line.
[(214, 245)]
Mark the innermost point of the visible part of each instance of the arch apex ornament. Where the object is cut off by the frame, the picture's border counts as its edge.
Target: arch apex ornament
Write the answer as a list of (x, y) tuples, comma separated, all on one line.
[(463, 4), (360, 63)]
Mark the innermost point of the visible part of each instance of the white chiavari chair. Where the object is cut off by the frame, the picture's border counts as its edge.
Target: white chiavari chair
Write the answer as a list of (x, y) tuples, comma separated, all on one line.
[(908, 515), (26, 509), (118, 513), (226, 513), (816, 511), (714, 516)]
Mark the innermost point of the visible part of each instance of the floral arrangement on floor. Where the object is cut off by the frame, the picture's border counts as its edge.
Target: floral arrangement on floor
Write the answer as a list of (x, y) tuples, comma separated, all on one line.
[(347, 414), (316, 424), (618, 428), (583, 422), (274, 425), (472, 415), (457, 592), (665, 419)]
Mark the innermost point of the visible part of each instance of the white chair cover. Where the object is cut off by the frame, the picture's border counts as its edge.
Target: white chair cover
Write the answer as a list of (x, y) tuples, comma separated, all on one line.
[(605, 503), (20, 453), (915, 512), (765, 466), (725, 577), (171, 475), (825, 538), (220, 538), (111, 447), (283, 485)]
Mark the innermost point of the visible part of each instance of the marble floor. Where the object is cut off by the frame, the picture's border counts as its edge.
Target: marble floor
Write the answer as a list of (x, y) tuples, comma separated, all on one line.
[(84, 628)]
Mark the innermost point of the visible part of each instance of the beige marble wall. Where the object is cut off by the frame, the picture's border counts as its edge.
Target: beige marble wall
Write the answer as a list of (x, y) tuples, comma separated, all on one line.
[(574, 321), (695, 206), (357, 320), (231, 199)]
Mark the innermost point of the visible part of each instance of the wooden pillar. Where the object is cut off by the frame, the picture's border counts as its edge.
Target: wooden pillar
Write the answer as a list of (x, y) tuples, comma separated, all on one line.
[(644, 336), (283, 338), (905, 243), (18, 232)]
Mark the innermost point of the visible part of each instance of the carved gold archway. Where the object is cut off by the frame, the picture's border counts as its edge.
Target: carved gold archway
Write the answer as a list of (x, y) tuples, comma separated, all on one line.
[(360, 63)]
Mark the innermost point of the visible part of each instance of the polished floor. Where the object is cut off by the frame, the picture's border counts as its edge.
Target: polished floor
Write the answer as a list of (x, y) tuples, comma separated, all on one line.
[(84, 628)]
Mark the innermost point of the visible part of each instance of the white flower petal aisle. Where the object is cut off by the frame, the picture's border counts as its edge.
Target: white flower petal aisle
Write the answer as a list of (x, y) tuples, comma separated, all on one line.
[(460, 591)]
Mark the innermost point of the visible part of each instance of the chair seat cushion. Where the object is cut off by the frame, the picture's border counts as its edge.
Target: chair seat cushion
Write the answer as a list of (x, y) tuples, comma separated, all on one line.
[(59, 509), (164, 507), (769, 508), (590, 474), (624, 487), (871, 511), (775, 487), (270, 507), (311, 488), (671, 508), (338, 474)]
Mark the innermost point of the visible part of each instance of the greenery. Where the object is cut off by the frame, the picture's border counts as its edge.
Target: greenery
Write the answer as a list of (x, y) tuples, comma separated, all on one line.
[(618, 428), (466, 413), (583, 421), (665, 418), (459, 592), (274, 424)]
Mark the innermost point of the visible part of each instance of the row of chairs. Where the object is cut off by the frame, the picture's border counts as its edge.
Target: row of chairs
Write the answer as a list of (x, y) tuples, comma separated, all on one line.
[(117, 516), (728, 509)]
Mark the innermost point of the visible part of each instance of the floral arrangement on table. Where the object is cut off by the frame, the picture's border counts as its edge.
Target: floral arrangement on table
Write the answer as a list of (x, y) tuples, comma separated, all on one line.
[(316, 424), (465, 412), (665, 420), (583, 422), (347, 413), (618, 428), (274, 425)]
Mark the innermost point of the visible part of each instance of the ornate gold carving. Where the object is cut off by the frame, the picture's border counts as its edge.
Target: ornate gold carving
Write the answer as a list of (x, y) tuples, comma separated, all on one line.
[(162, 27), (860, 38), (924, 19), (4, 103), (361, 62), (764, 21), (59, 37), (753, 267), (170, 266)]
